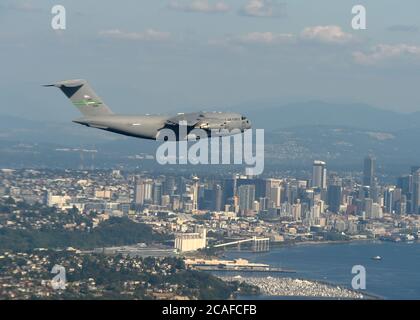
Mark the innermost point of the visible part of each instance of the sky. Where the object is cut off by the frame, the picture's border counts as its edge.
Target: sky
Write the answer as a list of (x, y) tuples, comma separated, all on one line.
[(168, 56)]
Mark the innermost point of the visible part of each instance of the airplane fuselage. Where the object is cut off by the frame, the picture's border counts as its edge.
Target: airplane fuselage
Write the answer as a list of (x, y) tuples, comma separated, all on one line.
[(149, 126)]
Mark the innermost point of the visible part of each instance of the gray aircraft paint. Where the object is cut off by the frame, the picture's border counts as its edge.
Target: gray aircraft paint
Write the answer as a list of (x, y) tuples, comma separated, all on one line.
[(97, 114)]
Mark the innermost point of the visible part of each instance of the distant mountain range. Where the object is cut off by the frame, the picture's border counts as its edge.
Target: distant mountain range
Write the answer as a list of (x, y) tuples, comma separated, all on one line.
[(314, 113), (296, 134), (269, 116)]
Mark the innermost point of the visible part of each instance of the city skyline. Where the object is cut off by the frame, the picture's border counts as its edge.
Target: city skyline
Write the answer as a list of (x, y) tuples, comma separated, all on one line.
[(247, 150)]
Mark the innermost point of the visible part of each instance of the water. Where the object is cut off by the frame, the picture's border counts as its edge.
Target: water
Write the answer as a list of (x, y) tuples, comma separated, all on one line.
[(396, 276)]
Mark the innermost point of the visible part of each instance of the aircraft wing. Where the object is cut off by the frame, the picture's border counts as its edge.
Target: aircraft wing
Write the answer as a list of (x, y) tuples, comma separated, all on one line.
[(190, 118)]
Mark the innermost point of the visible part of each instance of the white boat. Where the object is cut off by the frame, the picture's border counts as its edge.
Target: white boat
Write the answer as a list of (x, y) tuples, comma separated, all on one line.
[(377, 258)]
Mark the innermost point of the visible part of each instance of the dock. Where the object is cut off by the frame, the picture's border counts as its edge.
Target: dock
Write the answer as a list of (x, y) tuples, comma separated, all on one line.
[(237, 265), (242, 269)]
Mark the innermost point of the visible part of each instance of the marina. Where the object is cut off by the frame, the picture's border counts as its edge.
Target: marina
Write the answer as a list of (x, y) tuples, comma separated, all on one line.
[(288, 287)]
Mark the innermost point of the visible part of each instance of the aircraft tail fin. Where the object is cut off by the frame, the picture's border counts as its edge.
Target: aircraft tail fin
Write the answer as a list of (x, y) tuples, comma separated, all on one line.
[(83, 97)]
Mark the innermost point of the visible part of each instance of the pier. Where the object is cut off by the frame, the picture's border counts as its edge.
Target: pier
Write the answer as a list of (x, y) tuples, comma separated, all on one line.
[(237, 265), (257, 244)]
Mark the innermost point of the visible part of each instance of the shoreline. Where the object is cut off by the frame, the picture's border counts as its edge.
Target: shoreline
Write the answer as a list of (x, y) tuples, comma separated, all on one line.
[(301, 243), (276, 245), (349, 293), (287, 287)]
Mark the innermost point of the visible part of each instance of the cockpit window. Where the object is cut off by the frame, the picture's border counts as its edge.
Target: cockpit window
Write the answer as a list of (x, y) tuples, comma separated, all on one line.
[(243, 118)]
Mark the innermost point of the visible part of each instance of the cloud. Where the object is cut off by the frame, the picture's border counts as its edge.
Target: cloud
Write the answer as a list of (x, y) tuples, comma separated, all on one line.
[(23, 6), (326, 34), (384, 52), (203, 6), (263, 9), (148, 35), (330, 35), (265, 38), (238, 42), (404, 28)]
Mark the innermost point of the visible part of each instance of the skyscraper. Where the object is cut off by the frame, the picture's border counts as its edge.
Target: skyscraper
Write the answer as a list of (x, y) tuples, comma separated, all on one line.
[(169, 185), (194, 187), (143, 191), (297, 211), (229, 189), (275, 197), (218, 197), (334, 198), (389, 199), (246, 195), (319, 174), (416, 192), (405, 183), (367, 207), (157, 193), (369, 171)]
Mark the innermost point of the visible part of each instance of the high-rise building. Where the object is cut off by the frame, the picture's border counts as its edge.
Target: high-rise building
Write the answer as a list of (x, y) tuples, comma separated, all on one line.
[(229, 189), (218, 197), (376, 212), (367, 206), (334, 196), (319, 174), (389, 199), (275, 197), (211, 198), (264, 203), (401, 205), (297, 211), (138, 192), (194, 189), (369, 171), (169, 185), (176, 202), (166, 200), (246, 195), (157, 193), (143, 191), (260, 185), (405, 183), (415, 203)]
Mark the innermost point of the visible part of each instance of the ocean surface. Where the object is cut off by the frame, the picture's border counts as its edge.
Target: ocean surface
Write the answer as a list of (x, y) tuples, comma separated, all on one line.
[(396, 276)]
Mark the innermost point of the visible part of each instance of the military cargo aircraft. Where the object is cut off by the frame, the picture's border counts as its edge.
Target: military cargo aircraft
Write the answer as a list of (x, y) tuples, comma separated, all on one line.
[(96, 114)]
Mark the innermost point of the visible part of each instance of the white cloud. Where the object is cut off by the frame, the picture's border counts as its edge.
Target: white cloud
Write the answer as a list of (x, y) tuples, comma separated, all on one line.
[(265, 38), (327, 34), (25, 6), (319, 34), (262, 8), (148, 35), (199, 6), (404, 28), (383, 52), (240, 42)]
